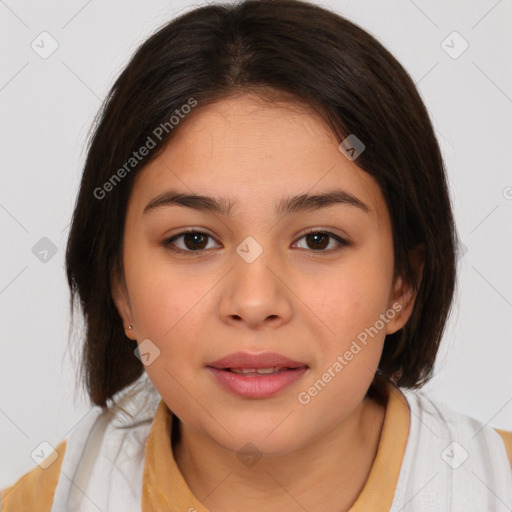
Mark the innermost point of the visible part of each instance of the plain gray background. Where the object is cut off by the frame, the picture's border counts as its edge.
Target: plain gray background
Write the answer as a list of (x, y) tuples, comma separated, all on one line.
[(48, 105)]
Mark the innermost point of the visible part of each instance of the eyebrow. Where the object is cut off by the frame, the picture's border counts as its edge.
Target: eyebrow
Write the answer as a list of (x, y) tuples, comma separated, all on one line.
[(224, 206)]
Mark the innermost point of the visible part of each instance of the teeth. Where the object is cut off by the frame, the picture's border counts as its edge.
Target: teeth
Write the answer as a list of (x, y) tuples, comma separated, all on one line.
[(263, 371), (259, 371)]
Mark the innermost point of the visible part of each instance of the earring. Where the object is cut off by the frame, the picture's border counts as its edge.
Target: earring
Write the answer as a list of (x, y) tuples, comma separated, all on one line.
[(130, 327)]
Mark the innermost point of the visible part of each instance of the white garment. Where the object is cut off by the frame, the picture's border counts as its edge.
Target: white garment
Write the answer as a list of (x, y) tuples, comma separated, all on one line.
[(104, 458), (452, 463)]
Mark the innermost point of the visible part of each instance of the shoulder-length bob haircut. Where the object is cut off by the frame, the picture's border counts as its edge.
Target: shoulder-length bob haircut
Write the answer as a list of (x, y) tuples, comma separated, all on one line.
[(276, 48)]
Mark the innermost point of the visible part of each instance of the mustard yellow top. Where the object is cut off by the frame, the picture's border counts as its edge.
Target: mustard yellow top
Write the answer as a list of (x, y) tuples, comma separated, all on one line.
[(165, 490)]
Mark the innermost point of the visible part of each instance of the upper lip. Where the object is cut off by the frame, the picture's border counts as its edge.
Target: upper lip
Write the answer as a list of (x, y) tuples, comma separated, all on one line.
[(245, 360)]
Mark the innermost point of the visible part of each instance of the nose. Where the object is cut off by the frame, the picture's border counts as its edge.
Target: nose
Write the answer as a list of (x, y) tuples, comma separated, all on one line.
[(256, 295)]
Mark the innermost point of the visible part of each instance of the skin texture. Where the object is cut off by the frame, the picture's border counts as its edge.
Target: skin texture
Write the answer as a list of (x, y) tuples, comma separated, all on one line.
[(305, 303)]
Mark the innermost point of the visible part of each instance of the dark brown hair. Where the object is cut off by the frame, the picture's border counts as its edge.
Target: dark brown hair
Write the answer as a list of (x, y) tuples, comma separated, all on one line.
[(277, 48)]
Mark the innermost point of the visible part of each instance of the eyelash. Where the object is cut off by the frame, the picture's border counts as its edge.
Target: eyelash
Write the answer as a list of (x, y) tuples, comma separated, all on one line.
[(168, 243)]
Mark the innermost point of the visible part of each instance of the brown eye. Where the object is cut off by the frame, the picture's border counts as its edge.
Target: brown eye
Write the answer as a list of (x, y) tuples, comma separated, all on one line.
[(319, 240), (193, 241), (197, 241)]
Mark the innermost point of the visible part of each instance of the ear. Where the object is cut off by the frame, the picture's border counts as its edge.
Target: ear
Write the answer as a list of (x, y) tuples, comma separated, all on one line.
[(403, 296), (122, 303)]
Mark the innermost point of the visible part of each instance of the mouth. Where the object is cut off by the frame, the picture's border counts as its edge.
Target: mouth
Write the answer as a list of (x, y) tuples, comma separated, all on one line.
[(256, 375), (263, 363), (256, 372)]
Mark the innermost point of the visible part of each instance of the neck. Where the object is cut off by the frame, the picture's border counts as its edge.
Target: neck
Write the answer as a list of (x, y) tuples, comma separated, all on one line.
[(326, 475)]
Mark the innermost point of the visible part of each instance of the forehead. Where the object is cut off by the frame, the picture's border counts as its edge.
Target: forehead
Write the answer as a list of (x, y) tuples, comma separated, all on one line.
[(247, 125), (254, 152)]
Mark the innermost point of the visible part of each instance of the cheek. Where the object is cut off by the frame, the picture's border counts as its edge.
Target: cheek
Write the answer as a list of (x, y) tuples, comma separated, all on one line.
[(164, 310), (157, 295), (168, 306), (350, 306), (347, 300)]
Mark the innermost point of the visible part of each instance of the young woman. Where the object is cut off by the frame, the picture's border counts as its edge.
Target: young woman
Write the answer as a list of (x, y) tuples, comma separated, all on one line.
[(263, 250)]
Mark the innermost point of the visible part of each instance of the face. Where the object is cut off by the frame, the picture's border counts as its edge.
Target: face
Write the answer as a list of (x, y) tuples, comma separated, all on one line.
[(313, 285)]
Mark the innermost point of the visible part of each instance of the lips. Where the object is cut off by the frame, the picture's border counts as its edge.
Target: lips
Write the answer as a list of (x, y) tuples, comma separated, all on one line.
[(254, 372), (256, 376), (252, 376), (256, 364)]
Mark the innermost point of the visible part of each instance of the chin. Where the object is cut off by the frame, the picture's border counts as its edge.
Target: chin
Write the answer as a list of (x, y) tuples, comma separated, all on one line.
[(269, 438)]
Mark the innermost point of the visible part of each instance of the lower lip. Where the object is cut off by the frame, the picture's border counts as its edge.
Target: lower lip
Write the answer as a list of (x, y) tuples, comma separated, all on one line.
[(260, 386)]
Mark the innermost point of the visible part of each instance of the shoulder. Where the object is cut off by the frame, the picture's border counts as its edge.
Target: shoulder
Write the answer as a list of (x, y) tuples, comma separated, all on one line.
[(104, 438), (89, 440), (507, 440), (434, 422), (36, 488), (451, 460)]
